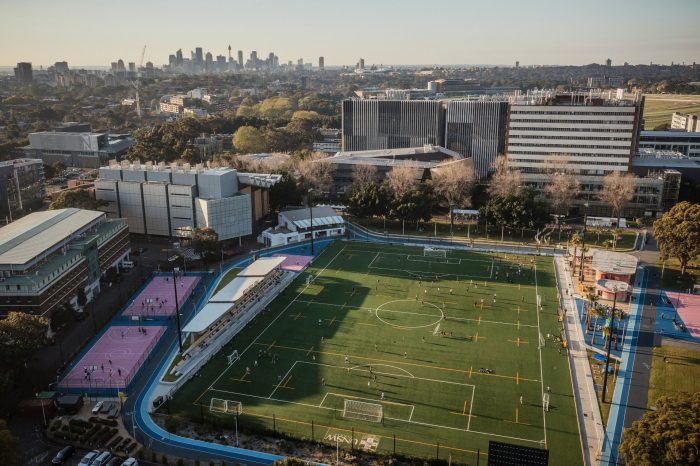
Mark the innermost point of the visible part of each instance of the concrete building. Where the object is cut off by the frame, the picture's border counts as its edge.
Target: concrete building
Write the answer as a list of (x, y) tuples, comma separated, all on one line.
[(371, 124), (685, 122), (686, 143), (47, 257), (174, 200), (81, 148), (296, 225), (22, 186), (477, 129), (24, 74), (421, 159)]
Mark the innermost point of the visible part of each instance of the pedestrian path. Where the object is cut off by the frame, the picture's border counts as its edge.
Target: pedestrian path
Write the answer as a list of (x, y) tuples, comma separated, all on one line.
[(587, 411)]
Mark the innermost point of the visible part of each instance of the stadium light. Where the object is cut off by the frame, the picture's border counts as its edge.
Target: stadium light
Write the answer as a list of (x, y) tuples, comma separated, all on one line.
[(311, 217)]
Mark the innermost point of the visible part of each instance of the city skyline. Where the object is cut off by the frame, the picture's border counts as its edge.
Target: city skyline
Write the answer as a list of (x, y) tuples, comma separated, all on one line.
[(381, 33)]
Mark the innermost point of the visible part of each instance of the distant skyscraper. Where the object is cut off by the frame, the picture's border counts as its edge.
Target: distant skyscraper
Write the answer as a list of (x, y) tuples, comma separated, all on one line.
[(361, 64), (608, 62), (209, 62), (172, 60), (321, 64), (132, 66), (240, 58), (23, 73), (199, 55), (178, 57), (517, 64), (61, 66)]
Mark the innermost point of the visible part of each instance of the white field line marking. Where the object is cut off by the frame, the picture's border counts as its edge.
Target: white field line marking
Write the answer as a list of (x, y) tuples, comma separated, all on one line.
[(274, 320), (414, 313), (411, 416), (544, 416), (408, 256), (282, 380), (372, 262), (471, 406), (323, 400), (491, 274), (427, 273)]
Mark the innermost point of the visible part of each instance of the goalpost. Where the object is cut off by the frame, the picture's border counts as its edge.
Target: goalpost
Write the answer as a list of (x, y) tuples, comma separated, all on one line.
[(429, 251), (363, 411), (219, 405), (233, 357)]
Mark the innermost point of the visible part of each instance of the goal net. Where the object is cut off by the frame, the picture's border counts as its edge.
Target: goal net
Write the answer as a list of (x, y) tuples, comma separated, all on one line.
[(362, 410), (219, 405), (434, 252), (233, 357)]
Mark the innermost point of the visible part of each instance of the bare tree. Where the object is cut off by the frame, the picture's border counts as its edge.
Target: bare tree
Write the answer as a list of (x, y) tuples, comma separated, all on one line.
[(401, 179), (617, 190), (505, 180), (563, 187), (314, 172), (454, 182), (362, 174)]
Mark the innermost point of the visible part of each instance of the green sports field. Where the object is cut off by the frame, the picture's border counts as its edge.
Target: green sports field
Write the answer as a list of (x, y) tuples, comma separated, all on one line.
[(383, 349)]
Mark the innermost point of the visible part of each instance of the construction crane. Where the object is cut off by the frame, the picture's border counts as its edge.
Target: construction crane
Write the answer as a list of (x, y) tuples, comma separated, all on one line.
[(137, 82)]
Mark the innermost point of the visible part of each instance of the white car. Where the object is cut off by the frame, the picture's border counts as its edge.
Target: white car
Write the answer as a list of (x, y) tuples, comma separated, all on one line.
[(98, 406), (130, 462)]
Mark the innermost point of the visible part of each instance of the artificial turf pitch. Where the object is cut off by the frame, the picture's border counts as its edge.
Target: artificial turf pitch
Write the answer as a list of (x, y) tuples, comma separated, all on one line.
[(381, 319)]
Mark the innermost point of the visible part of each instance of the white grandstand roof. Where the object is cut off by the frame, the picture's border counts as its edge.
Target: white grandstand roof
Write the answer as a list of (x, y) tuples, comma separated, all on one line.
[(323, 215), (261, 267), (233, 291), (33, 235), (207, 316)]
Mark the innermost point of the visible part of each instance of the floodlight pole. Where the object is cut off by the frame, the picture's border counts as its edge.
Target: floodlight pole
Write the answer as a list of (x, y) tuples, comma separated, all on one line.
[(583, 241), (612, 329), (311, 216), (177, 313)]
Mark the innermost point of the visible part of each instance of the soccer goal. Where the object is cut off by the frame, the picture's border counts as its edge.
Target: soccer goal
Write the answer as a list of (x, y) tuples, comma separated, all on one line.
[(219, 405), (233, 357), (434, 252), (362, 410)]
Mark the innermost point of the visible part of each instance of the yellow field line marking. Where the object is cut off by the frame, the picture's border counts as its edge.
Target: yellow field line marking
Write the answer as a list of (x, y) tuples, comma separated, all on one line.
[(310, 350), (364, 323), (401, 362), (240, 380), (517, 378), (272, 345), (518, 341), (295, 317), (517, 417), (331, 322), (479, 322), (470, 372)]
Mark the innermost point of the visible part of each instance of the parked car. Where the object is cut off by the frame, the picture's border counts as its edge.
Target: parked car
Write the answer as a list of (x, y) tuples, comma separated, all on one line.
[(89, 458), (113, 413), (115, 461), (102, 460), (130, 462), (98, 406), (107, 407), (63, 455)]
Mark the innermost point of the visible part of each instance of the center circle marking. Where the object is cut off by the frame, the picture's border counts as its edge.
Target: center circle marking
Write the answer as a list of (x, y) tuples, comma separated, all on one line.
[(440, 318)]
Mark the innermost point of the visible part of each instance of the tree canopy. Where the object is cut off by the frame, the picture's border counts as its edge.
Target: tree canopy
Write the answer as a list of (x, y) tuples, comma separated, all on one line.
[(8, 445), (248, 140), (368, 199), (205, 242), (514, 211), (677, 233), (77, 198), (668, 436)]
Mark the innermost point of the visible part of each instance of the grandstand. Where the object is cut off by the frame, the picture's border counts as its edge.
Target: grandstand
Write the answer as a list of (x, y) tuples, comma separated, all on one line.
[(229, 310)]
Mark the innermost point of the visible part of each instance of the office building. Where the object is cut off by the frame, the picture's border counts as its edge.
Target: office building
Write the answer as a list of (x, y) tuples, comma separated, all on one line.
[(240, 58), (23, 74), (50, 258), (76, 146), (22, 187), (683, 142), (372, 124), (321, 63), (174, 200), (477, 129), (685, 122), (597, 82)]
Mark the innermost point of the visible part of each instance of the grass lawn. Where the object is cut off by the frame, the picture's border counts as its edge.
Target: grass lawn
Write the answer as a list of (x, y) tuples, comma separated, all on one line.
[(384, 329), (598, 372), (597, 238), (659, 108), (672, 278), (681, 372)]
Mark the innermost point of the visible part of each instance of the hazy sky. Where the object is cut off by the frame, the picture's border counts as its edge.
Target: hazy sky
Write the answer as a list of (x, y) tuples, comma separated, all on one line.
[(382, 31)]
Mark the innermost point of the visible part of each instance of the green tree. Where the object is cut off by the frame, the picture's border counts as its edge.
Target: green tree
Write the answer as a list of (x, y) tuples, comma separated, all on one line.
[(21, 334), (205, 242), (8, 445), (249, 140), (368, 199), (77, 198), (515, 212), (453, 183), (285, 192), (668, 436), (414, 205), (677, 233)]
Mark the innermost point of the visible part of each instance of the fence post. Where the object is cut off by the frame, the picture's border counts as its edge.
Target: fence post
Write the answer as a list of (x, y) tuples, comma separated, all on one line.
[(394, 444), (312, 430), (478, 456), (437, 451), (201, 413)]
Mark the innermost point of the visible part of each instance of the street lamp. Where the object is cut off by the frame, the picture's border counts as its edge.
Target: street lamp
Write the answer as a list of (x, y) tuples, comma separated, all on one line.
[(311, 217), (612, 329), (177, 311)]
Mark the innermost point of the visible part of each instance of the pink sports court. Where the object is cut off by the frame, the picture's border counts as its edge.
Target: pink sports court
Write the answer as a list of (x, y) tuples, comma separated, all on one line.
[(114, 359), (294, 263), (158, 298), (688, 308)]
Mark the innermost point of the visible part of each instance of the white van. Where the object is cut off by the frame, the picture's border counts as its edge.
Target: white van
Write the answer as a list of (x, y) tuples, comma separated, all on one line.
[(127, 264)]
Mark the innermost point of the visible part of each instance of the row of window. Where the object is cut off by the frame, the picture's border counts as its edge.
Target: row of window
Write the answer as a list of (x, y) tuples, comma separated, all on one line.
[(579, 111), (573, 138), (574, 163), (566, 146), (573, 122), (572, 129)]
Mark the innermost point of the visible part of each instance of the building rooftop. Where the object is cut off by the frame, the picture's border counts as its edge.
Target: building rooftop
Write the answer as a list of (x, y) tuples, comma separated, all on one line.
[(618, 263), (35, 234), (323, 215)]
